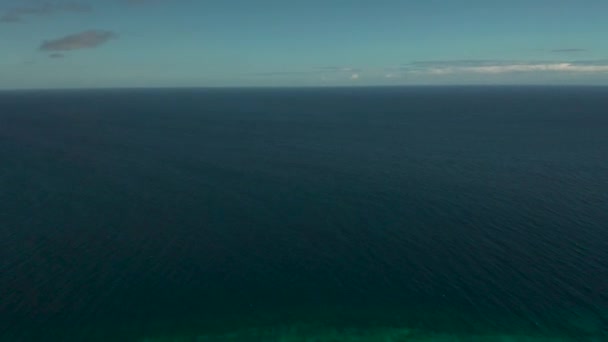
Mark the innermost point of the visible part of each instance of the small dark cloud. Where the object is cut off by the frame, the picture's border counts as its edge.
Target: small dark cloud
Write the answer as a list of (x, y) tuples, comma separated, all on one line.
[(83, 40), (56, 55), (568, 50), (10, 18), (17, 14)]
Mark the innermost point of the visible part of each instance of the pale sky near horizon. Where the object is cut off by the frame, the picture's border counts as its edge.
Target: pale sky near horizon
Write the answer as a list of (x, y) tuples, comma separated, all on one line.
[(166, 43)]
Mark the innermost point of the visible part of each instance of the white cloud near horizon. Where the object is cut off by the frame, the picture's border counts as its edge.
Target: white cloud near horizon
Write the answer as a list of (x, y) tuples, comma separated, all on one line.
[(489, 67)]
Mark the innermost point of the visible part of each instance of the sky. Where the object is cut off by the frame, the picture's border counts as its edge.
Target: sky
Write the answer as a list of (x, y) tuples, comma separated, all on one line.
[(234, 43)]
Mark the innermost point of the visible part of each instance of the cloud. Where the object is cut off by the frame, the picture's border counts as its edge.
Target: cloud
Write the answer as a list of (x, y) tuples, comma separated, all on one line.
[(10, 18), (17, 14), (83, 40), (56, 55), (503, 67), (568, 50), (325, 70), (281, 73), (354, 77), (338, 69)]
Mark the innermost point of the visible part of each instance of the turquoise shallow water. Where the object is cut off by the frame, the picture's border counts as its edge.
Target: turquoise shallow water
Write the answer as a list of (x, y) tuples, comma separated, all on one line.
[(386, 214)]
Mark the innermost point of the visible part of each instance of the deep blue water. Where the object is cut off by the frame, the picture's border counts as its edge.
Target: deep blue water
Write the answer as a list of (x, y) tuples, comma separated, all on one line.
[(214, 215)]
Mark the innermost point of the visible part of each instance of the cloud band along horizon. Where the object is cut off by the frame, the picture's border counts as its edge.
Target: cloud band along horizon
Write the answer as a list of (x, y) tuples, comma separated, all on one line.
[(83, 40), (502, 67)]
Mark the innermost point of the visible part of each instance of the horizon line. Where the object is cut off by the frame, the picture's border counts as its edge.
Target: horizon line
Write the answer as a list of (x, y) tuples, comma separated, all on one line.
[(480, 85)]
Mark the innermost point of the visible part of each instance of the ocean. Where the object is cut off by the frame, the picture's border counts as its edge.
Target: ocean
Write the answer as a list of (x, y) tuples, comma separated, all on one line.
[(331, 214)]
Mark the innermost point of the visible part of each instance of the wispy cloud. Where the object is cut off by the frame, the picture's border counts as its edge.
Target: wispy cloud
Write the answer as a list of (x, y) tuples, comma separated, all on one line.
[(392, 75), (82, 40), (17, 14), (428, 70), (568, 50), (503, 67), (281, 73), (338, 69), (324, 70)]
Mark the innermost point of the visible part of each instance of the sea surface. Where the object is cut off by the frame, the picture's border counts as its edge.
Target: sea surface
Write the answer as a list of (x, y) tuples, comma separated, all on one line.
[(346, 214)]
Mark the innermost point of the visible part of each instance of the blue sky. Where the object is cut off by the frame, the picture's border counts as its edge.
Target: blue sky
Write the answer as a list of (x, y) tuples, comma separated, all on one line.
[(164, 43)]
